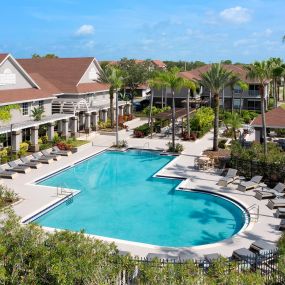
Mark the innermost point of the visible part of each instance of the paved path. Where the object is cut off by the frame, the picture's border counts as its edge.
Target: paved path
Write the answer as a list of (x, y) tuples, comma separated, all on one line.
[(35, 198)]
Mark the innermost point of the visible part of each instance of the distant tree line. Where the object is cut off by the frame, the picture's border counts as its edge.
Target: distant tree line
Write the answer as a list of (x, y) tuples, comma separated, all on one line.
[(48, 55)]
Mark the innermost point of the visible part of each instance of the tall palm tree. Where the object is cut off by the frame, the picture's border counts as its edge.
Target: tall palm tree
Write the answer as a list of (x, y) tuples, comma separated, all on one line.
[(234, 79), (191, 86), (244, 87), (171, 80), (114, 77), (234, 121), (215, 79), (259, 70)]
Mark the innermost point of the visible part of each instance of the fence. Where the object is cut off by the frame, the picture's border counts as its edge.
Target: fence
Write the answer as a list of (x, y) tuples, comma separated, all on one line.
[(145, 271), (272, 172)]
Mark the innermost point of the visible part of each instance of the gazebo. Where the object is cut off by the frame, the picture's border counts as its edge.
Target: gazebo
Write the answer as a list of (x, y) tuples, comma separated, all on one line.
[(275, 119)]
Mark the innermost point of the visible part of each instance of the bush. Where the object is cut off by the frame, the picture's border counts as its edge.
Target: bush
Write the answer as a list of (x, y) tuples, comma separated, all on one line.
[(178, 147), (7, 196), (104, 125), (142, 131), (23, 148), (222, 143), (121, 144)]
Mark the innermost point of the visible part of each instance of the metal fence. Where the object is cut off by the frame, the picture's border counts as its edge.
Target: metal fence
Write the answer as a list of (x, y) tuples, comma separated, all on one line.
[(266, 265), (272, 172)]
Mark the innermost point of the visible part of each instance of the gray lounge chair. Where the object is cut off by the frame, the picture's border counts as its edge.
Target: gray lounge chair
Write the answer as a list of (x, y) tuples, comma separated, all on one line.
[(18, 168), (41, 158), (245, 255), (162, 256), (7, 173), (26, 162), (282, 225), (230, 177), (280, 213), (270, 193), (56, 150), (53, 156), (249, 185), (276, 203), (262, 247)]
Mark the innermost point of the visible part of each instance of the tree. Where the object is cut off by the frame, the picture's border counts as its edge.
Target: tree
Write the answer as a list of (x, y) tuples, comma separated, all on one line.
[(191, 86), (215, 79), (244, 87), (227, 61), (235, 122), (37, 113), (259, 70), (5, 112), (234, 79), (134, 74), (48, 55), (171, 80)]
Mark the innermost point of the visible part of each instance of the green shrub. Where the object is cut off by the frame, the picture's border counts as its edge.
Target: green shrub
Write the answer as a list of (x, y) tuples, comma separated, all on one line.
[(142, 131), (177, 149), (23, 149), (222, 143)]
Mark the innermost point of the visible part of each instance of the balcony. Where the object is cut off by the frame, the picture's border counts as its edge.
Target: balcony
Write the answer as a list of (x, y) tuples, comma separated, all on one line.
[(253, 93)]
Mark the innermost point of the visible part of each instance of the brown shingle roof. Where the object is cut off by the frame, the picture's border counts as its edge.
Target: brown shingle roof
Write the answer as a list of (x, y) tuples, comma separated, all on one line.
[(3, 56), (274, 119), (96, 86), (239, 70), (63, 73)]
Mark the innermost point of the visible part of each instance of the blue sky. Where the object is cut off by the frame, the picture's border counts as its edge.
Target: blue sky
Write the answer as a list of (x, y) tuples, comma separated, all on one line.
[(207, 30)]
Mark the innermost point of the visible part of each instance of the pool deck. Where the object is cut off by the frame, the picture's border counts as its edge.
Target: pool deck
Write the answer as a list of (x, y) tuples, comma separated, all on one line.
[(35, 198)]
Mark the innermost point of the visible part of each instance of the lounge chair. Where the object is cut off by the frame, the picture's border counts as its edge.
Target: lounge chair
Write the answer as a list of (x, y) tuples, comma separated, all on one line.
[(7, 173), (230, 177), (26, 162), (41, 158), (249, 185), (270, 193), (50, 155), (18, 168), (262, 247), (280, 213), (276, 203), (245, 255), (56, 150), (162, 256), (282, 225)]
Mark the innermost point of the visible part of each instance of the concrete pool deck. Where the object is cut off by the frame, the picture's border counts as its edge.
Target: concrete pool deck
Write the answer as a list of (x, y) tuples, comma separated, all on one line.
[(36, 198)]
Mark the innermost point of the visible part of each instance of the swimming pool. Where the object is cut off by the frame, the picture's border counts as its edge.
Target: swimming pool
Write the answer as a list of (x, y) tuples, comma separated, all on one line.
[(121, 199)]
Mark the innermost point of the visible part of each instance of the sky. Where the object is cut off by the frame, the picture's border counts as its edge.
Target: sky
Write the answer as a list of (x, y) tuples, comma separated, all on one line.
[(206, 30)]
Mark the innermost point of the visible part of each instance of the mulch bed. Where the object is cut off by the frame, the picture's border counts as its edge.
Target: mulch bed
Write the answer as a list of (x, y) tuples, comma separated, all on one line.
[(221, 153)]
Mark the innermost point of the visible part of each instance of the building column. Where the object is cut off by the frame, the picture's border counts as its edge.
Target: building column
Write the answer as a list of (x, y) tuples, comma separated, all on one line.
[(81, 121), (16, 139), (59, 127), (104, 116), (64, 128), (121, 110), (50, 131), (128, 109), (257, 133), (94, 120), (74, 126), (87, 123), (34, 138)]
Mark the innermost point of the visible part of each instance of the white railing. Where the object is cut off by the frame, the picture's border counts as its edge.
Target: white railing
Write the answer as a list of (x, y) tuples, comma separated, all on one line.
[(253, 210)]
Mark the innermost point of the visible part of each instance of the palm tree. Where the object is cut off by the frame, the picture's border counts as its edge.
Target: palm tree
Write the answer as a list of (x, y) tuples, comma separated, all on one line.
[(191, 86), (259, 70), (243, 87), (215, 79), (37, 113), (113, 77), (235, 122), (233, 82), (171, 80)]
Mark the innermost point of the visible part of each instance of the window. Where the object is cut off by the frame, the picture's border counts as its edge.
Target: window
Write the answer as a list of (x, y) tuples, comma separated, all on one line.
[(41, 104), (25, 109)]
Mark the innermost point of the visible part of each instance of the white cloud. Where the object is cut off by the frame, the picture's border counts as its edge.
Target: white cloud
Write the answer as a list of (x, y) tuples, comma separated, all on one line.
[(236, 15), (268, 32), (85, 30)]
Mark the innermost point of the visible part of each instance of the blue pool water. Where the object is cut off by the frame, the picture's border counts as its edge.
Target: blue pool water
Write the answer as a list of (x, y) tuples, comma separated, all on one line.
[(120, 199)]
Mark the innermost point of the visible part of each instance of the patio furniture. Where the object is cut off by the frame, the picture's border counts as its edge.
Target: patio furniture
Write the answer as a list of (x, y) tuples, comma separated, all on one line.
[(277, 191), (245, 255), (204, 162), (57, 151), (230, 177), (26, 162), (163, 256), (248, 185), (41, 158), (7, 173), (282, 225), (262, 247), (280, 213), (276, 203), (18, 168), (50, 155), (212, 257)]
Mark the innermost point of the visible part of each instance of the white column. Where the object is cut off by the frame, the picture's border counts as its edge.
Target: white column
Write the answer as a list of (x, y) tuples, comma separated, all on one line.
[(34, 138), (87, 123), (50, 131), (121, 111), (16, 139), (94, 120), (104, 115), (81, 121), (74, 126), (64, 128)]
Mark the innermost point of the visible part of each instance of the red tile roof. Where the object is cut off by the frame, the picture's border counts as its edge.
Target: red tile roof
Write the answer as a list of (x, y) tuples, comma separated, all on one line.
[(62, 73), (96, 86), (274, 119), (3, 56), (239, 70)]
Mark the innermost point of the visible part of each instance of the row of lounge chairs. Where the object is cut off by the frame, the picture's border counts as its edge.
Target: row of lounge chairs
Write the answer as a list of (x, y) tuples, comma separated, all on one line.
[(43, 157)]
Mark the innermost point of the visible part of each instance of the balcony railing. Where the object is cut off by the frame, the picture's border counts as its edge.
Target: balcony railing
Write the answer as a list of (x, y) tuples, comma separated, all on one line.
[(253, 93)]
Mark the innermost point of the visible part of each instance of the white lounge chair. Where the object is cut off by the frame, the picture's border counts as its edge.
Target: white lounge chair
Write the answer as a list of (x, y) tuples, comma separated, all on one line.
[(7, 173), (50, 155), (230, 177), (270, 193), (249, 185), (276, 203), (18, 168), (57, 151)]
